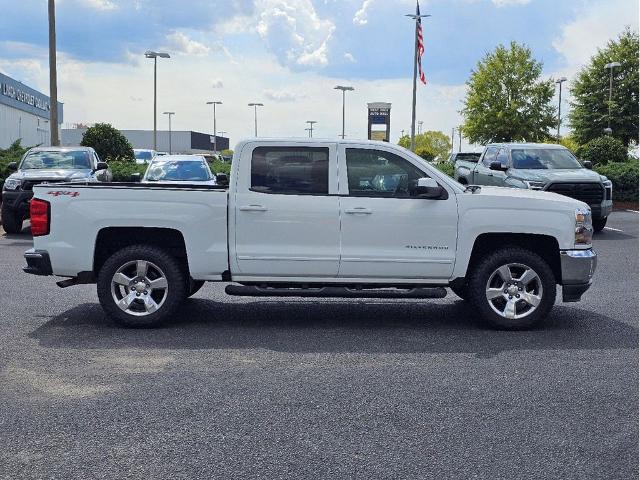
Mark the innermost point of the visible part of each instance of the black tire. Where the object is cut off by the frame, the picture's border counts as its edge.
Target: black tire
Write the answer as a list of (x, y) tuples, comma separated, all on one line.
[(10, 221), (599, 224), (544, 290), (194, 287), (158, 260), (461, 290)]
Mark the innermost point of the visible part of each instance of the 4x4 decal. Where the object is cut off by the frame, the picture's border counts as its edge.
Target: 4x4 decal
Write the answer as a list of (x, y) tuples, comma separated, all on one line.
[(57, 193)]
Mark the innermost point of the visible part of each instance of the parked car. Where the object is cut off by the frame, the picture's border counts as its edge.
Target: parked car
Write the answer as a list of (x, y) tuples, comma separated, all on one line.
[(465, 156), (179, 169), (46, 165), (540, 166), (144, 155), (313, 218)]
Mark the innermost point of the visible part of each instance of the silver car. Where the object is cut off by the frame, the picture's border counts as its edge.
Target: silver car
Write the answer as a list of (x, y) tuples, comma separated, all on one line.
[(179, 169)]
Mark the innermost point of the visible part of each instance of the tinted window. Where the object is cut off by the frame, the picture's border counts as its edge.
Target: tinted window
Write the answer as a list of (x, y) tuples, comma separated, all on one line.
[(542, 158), (490, 156), (468, 157), (143, 155), (502, 157), (375, 173), (290, 170), (67, 160)]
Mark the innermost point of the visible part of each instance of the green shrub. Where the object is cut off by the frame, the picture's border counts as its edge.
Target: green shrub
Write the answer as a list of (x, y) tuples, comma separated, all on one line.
[(12, 154), (220, 167), (122, 170), (624, 177), (445, 167), (603, 150), (108, 142)]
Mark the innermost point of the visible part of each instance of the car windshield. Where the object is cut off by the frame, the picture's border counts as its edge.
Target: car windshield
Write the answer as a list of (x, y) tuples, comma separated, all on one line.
[(189, 170), (58, 160), (543, 159), (143, 155)]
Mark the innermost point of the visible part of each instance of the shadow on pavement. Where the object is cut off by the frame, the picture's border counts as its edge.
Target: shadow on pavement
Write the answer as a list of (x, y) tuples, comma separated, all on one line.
[(335, 327)]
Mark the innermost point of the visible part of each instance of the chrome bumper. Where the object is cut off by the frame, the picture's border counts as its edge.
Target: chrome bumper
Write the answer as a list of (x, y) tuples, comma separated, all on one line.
[(577, 268)]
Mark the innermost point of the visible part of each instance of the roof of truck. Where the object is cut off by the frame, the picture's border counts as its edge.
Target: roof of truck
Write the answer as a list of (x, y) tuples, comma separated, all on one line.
[(526, 145)]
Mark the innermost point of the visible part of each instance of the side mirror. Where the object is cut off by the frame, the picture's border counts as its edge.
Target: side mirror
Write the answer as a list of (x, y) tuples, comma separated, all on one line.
[(101, 166), (13, 166), (588, 164), (428, 188), (136, 177), (222, 179), (498, 166)]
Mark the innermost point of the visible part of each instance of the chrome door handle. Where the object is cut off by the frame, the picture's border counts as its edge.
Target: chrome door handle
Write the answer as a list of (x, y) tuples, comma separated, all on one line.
[(359, 210), (253, 208)]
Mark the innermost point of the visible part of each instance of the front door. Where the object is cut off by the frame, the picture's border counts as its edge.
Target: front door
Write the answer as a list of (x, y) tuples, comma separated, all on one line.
[(286, 221), (388, 232)]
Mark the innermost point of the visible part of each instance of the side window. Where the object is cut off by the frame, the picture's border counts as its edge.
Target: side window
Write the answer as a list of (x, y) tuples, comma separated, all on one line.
[(502, 157), (489, 156), (290, 170), (375, 173)]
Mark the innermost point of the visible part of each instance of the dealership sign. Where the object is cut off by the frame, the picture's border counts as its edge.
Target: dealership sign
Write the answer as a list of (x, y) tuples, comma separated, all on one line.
[(24, 97), (21, 97)]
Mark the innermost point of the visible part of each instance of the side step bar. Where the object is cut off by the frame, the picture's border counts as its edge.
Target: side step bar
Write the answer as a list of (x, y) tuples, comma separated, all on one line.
[(337, 292)]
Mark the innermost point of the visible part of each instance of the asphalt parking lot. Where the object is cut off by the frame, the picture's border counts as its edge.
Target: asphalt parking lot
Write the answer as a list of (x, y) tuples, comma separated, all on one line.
[(267, 388)]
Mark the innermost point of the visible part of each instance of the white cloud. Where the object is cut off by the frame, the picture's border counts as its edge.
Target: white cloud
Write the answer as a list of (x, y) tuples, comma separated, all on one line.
[(101, 4), (349, 57), (217, 83), (504, 3), (294, 31), (360, 18), (180, 43), (283, 95)]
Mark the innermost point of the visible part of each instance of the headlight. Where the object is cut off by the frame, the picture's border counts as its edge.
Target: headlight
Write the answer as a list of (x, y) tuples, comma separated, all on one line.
[(534, 185), (584, 227), (12, 184)]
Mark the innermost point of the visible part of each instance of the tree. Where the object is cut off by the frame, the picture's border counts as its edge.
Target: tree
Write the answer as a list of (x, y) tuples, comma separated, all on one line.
[(108, 142), (507, 100), (429, 145), (603, 150), (590, 91)]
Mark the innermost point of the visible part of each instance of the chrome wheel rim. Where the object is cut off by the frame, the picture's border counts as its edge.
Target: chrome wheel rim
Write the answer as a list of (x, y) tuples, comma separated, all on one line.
[(139, 288), (514, 291)]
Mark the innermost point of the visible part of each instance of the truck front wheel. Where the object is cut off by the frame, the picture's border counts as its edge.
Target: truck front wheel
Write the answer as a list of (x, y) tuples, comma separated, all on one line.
[(11, 222), (599, 224), (512, 289), (141, 286)]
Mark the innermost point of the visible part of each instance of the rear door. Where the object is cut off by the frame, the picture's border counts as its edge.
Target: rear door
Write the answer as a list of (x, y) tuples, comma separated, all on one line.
[(286, 211)]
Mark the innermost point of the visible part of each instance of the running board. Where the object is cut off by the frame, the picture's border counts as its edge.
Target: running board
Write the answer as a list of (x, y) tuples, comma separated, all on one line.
[(338, 292)]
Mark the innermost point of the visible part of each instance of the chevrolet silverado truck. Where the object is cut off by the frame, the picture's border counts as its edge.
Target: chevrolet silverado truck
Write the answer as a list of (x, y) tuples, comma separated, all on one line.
[(315, 218), (540, 166), (46, 165)]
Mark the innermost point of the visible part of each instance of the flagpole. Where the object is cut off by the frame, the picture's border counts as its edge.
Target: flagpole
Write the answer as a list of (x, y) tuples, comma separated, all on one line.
[(415, 76)]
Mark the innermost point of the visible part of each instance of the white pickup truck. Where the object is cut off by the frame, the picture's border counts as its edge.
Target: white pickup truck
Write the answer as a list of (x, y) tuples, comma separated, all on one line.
[(315, 218)]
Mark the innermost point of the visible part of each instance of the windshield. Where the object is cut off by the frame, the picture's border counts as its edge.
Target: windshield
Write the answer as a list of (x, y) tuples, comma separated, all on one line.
[(143, 155), (190, 170), (543, 159), (67, 160)]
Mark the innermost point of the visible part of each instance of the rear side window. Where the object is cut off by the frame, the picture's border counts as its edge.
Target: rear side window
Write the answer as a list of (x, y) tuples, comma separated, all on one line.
[(290, 170)]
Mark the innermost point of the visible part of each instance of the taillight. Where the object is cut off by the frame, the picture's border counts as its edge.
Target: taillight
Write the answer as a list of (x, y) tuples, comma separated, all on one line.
[(40, 211)]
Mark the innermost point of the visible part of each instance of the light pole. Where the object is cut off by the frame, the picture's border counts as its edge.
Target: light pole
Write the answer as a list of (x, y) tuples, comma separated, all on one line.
[(53, 75), (610, 66), (344, 89), (420, 122), (255, 116), (169, 114), (560, 81), (311, 122), (155, 55), (453, 131), (215, 139)]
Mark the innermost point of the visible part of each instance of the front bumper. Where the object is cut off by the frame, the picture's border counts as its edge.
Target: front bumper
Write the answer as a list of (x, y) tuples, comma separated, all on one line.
[(38, 262), (578, 267), (18, 201)]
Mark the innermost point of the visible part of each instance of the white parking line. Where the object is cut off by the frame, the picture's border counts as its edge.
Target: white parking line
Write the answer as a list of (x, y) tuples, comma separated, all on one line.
[(614, 229), (634, 211)]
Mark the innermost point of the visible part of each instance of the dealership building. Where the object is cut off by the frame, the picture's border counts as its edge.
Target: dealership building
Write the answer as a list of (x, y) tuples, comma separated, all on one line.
[(181, 141), (24, 114)]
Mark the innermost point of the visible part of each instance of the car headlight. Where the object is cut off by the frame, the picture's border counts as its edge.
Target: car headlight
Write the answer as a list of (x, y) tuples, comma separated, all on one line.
[(584, 227), (12, 184), (531, 185)]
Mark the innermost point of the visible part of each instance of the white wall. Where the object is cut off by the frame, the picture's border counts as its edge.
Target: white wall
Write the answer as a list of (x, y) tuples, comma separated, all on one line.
[(180, 140), (14, 124)]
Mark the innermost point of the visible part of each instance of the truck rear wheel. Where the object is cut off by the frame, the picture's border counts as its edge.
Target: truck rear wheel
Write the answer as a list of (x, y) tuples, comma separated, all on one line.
[(141, 286), (10, 220), (512, 289)]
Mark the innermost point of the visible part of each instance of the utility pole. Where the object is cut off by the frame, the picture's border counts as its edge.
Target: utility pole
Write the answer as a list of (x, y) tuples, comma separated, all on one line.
[(215, 139), (417, 17), (344, 89), (169, 114), (311, 122), (559, 82), (53, 76), (459, 139)]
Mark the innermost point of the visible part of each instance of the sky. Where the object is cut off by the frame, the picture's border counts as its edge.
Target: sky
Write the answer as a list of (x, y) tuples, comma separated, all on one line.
[(288, 54)]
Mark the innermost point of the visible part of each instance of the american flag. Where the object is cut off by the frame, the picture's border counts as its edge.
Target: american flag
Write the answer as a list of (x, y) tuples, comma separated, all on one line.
[(420, 43)]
